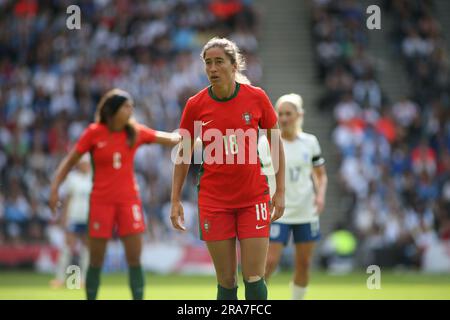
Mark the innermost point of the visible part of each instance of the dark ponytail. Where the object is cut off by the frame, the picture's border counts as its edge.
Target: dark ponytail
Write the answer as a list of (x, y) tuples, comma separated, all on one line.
[(130, 130)]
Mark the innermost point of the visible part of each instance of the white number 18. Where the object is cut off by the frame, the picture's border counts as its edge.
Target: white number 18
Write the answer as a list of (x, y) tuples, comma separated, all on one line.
[(261, 211), (231, 143)]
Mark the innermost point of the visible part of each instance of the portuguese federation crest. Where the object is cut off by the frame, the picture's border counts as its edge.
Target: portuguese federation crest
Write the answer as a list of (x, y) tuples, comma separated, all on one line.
[(206, 225), (247, 117)]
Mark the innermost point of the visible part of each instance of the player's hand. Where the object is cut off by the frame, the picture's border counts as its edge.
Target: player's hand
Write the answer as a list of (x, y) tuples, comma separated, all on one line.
[(277, 205), (54, 202), (319, 203), (176, 138), (177, 216)]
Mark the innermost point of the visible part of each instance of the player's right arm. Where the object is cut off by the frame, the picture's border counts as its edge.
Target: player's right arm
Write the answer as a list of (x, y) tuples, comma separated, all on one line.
[(61, 173), (180, 172), (83, 145), (182, 163)]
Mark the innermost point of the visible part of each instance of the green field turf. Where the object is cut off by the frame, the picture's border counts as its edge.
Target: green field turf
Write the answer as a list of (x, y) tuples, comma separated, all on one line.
[(27, 285)]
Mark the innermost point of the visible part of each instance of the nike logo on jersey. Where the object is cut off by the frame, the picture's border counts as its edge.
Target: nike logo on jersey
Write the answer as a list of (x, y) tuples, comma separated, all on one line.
[(101, 144), (260, 227), (205, 123)]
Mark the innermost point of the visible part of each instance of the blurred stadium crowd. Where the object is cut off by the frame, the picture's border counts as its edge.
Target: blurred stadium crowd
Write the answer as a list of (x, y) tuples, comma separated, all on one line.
[(51, 79), (395, 155)]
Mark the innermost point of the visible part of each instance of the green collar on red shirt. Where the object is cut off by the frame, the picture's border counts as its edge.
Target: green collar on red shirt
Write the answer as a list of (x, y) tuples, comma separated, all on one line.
[(213, 96)]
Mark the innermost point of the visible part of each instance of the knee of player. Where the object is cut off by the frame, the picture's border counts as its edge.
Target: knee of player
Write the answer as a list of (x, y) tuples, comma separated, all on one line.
[(272, 262), (95, 260), (253, 278), (134, 261), (228, 281), (96, 263), (303, 264)]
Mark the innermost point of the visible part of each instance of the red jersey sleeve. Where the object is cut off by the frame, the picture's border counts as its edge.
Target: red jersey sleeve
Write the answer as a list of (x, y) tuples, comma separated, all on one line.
[(146, 134), (188, 118), (86, 141), (269, 117)]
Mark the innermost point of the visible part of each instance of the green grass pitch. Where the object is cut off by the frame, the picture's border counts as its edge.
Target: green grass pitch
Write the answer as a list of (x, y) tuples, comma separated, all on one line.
[(28, 285)]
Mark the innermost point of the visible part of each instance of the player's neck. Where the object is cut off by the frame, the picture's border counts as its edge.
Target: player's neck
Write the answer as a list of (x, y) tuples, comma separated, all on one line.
[(289, 135), (115, 127), (224, 91)]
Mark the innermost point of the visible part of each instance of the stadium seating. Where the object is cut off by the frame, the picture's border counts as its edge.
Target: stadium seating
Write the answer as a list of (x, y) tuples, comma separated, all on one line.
[(395, 155)]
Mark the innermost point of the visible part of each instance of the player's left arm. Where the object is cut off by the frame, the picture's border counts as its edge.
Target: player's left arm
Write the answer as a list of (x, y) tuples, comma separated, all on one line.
[(269, 120), (61, 173), (164, 138), (169, 139), (320, 180), (319, 175), (278, 160)]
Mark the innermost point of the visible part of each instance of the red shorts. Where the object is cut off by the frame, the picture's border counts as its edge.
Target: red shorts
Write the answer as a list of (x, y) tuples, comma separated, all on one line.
[(127, 218), (221, 224)]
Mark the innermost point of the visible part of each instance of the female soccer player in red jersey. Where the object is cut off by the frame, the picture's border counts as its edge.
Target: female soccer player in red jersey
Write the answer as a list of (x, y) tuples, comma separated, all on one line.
[(234, 198), (114, 202)]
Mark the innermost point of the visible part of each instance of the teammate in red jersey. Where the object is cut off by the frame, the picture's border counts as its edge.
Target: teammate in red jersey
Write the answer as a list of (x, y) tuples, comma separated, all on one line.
[(114, 202), (233, 197)]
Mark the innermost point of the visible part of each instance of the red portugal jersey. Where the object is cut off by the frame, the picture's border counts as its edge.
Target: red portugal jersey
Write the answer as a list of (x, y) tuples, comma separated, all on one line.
[(113, 162), (230, 176)]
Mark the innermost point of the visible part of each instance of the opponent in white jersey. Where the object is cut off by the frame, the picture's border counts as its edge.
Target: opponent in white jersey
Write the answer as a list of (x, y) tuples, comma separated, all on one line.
[(306, 183), (74, 218)]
